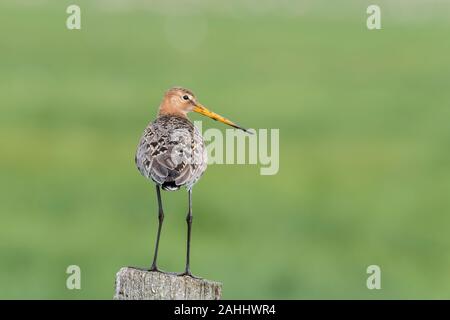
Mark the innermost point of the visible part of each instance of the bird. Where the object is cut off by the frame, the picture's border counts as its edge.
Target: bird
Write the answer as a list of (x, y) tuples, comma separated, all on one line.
[(172, 154)]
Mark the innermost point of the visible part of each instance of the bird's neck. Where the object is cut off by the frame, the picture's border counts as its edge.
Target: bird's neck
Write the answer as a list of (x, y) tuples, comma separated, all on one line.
[(169, 109)]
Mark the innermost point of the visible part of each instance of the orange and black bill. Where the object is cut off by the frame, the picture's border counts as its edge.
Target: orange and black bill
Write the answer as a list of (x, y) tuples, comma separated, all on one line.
[(204, 111)]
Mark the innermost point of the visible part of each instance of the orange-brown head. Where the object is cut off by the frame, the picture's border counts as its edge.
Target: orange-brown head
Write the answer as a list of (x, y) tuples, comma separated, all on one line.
[(179, 101)]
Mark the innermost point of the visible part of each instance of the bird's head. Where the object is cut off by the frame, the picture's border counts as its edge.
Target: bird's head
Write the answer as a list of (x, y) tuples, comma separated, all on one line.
[(180, 101)]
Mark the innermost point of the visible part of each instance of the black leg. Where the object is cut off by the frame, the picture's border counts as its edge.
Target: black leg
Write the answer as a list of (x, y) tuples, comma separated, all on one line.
[(187, 271), (161, 219)]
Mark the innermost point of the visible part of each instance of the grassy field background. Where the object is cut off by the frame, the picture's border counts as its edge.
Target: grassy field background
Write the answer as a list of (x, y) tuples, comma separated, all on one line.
[(364, 146)]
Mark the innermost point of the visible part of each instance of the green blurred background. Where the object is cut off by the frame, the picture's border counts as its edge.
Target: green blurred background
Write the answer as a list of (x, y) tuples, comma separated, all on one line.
[(364, 145)]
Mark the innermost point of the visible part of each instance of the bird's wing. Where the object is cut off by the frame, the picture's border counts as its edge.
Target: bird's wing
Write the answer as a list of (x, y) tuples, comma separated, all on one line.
[(165, 152), (199, 157), (149, 153)]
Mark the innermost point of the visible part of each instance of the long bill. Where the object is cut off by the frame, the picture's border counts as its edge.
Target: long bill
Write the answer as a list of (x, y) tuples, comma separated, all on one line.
[(204, 111)]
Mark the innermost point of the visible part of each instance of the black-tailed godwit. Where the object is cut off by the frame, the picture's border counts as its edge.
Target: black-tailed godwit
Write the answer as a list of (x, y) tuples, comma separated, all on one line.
[(172, 153)]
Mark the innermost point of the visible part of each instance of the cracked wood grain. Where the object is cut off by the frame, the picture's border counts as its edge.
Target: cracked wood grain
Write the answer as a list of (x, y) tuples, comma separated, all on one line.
[(138, 284)]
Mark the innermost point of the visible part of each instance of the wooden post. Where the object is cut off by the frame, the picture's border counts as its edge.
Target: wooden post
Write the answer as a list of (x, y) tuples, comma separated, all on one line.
[(138, 284)]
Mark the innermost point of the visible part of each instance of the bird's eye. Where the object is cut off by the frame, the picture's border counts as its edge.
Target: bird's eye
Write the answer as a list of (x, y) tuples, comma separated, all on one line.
[(186, 97)]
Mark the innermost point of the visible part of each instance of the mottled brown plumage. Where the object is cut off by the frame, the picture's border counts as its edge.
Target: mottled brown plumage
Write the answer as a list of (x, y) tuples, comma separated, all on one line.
[(172, 153)]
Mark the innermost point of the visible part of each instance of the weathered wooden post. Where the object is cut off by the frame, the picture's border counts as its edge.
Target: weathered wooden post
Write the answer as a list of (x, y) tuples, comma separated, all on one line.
[(138, 284)]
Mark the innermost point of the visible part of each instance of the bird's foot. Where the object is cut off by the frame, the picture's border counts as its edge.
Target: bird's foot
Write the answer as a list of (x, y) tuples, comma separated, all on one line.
[(154, 268), (188, 273)]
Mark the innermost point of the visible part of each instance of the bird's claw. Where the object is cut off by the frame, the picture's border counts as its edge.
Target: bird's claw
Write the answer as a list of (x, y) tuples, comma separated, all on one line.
[(188, 273), (155, 269)]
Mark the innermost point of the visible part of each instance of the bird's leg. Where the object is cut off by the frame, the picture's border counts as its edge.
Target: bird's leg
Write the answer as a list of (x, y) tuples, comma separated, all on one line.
[(189, 225), (187, 271), (160, 219)]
